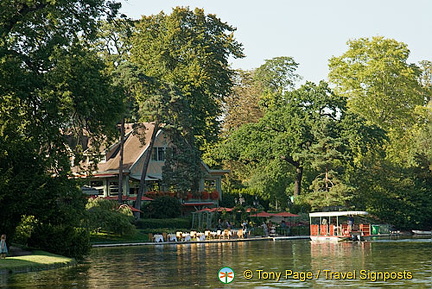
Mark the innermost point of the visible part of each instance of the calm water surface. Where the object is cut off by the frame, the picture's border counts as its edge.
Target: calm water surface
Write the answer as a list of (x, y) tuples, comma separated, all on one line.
[(406, 262)]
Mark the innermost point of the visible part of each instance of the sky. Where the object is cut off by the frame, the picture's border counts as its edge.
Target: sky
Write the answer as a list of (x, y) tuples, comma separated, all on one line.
[(310, 31)]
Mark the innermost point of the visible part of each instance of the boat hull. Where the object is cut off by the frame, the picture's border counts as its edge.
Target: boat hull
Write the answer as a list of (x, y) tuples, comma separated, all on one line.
[(418, 232), (329, 238)]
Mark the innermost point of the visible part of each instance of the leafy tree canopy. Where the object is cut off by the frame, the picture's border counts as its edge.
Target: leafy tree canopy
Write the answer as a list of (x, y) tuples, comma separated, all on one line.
[(190, 50), (379, 83), (52, 89)]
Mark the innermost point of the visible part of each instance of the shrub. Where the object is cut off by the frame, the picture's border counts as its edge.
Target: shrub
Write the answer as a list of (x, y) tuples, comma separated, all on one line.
[(61, 239), (24, 229), (163, 207), (104, 215)]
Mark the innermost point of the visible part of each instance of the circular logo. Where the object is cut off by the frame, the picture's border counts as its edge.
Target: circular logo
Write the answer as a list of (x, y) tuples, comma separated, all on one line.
[(226, 275)]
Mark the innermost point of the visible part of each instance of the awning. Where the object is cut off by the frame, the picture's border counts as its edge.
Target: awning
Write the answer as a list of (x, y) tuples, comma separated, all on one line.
[(104, 176), (337, 214), (148, 178)]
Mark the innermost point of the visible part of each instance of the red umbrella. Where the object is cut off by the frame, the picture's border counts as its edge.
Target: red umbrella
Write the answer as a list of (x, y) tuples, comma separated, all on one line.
[(130, 207), (204, 210), (286, 214), (263, 215), (220, 209)]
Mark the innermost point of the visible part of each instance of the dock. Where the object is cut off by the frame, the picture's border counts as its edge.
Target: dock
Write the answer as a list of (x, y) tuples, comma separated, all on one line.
[(250, 239)]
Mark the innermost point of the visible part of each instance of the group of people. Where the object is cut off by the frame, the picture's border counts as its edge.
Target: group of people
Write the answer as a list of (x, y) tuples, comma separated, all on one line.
[(268, 228), (350, 225)]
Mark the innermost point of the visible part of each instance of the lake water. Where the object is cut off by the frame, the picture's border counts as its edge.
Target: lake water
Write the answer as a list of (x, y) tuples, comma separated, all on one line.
[(381, 263)]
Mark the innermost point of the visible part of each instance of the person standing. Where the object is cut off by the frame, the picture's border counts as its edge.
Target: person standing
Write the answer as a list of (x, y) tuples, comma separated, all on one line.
[(350, 223), (3, 246), (265, 229), (245, 228)]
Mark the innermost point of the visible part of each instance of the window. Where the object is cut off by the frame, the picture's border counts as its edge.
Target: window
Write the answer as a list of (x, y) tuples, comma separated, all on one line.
[(113, 188), (158, 154)]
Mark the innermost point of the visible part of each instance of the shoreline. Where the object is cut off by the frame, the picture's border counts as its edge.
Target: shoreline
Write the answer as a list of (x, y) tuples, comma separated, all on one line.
[(33, 262), (250, 239)]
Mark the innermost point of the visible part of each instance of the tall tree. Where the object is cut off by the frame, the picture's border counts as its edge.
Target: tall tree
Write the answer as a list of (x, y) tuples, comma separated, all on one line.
[(253, 92), (190, 50), (379, 83), (241, 106), (184, 55), (306, 130), (52, 88), (275, 77), (285, 132), (113, 43)]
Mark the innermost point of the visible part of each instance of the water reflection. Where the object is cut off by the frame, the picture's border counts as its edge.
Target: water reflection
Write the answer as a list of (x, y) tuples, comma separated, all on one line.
[(196, 265)]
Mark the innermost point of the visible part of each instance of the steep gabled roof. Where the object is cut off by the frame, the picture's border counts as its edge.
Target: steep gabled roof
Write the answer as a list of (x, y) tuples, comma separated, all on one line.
[(133, 148), (136, 143)]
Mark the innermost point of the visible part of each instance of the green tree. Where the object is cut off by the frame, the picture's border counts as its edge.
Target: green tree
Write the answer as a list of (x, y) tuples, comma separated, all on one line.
[(275, 77), (113, 43), (166, 107), (184, 58), (379, 83), (164, 207), (189, 50), (52, 89), (182, 170), (400, 196), (241, 106), (308, 129), (108, 216), (253, 92)]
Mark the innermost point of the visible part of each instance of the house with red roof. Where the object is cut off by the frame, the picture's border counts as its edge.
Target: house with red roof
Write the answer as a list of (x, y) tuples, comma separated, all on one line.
[(104, 179)]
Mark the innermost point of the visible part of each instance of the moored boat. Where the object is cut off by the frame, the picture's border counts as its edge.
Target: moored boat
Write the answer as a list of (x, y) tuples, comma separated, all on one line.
[(338, 226), (419, 232)]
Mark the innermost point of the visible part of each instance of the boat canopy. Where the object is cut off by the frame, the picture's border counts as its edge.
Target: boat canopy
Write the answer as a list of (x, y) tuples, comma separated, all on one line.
[(337, 214)]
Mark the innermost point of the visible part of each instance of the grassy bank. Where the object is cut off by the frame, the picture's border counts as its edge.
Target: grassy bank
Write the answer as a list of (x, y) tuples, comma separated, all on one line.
[(37, 261)]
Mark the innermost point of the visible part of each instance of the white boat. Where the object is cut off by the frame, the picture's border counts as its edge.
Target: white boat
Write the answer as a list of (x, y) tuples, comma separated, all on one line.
[(338, 226), (419, 232)]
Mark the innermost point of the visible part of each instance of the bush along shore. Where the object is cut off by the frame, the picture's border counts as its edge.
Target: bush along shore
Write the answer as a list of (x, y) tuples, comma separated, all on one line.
[(34, 261)]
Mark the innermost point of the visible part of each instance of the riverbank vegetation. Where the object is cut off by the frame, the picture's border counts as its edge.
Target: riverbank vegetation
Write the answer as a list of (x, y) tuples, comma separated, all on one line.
[(71, 72)]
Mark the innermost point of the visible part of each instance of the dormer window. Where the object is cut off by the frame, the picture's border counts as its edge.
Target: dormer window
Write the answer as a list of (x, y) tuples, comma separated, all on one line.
[(158, 154)]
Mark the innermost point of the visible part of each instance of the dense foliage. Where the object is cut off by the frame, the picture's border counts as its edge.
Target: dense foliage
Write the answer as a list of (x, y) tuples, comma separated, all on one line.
[(360, 145), (69, 68), (189, 50), (107, 216), (163, 207), (53, 88)]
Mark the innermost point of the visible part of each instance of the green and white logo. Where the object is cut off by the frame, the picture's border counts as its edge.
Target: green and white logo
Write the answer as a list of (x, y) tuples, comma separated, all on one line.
[(226, 275)]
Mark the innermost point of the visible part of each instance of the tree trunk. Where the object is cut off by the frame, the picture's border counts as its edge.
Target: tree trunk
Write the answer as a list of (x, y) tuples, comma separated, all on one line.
[(298, 181), (327, 187), (147, 156), (122, 140)]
